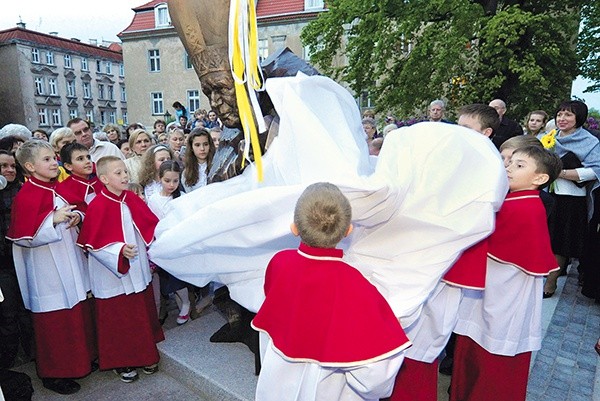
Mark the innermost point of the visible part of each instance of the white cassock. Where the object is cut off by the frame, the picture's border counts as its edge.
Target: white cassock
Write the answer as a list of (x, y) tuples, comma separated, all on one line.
[(432, 195)]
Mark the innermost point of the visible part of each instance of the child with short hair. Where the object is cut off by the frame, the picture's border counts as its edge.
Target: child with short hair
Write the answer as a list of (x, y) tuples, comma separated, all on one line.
[(500, 327), (341, 342), (82, 185), (51, 272), (117, 229)]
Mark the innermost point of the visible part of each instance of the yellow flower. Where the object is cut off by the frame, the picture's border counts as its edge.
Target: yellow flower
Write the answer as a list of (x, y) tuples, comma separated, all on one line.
[(549, 140)]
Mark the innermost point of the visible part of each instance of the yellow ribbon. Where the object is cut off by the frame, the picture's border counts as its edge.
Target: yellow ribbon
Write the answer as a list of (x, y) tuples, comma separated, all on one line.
[(245, 68)]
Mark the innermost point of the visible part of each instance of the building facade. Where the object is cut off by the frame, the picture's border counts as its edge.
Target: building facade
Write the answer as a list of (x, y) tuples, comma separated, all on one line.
[(158, 69), (47, 80)]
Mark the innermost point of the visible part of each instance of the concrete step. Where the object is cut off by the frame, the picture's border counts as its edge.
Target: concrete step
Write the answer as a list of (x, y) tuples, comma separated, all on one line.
[(215, 371)]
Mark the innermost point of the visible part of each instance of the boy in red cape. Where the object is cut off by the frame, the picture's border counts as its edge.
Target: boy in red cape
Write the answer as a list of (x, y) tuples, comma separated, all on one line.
[(81, 186), (51, 272), (331, 335), (500, 327), (117, 229)]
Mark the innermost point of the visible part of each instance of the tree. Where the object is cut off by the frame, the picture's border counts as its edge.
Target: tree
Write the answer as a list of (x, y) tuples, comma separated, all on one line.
[(589, 48), (405, 53)]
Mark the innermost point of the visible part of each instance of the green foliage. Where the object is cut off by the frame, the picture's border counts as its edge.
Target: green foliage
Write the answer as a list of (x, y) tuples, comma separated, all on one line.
[(589, 44), (463, 51)]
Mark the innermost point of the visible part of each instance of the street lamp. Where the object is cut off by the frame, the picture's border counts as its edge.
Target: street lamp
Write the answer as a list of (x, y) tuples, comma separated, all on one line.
[(167, 117)]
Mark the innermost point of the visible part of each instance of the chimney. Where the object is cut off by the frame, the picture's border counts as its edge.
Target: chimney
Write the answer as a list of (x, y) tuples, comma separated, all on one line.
[(54, 33), (76, 40), (21, 25), (94, 42)]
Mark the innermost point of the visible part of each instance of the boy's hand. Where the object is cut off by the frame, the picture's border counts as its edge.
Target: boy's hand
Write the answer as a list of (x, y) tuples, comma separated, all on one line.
[(64, 214), (130, 251), (76, 219)]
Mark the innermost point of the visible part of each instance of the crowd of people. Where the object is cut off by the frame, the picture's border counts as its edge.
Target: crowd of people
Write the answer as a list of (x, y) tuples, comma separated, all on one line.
[(64, 189)]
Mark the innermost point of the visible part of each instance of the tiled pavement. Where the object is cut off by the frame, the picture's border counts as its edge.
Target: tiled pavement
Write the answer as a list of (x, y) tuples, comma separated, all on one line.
[(566, 367)]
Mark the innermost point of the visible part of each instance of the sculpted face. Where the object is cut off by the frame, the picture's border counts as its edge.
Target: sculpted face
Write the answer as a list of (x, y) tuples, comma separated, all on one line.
[(219, 88)]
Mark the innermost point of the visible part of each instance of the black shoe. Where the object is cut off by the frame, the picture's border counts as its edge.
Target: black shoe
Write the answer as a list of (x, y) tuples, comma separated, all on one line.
[(547, 294), (94, 366), (61, 386)]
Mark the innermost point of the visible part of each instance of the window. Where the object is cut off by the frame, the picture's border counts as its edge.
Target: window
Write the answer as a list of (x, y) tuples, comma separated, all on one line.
[(84, 64), (71, 89), (49, 58), (68, 63), (89, 115), (121, 70), (111, 92), (108, 67), (313, 4), (188, 62), (123, 94), (103, 117), (154, 60), (73, 113), (263, 48), (157, 103), (112, 117), (35, 55), (98, 65), (43, 116), (39, 85), (56, 120), (124, 114), (87, 90), (193, 100), (161, 15), (100, 91), (52, 86)]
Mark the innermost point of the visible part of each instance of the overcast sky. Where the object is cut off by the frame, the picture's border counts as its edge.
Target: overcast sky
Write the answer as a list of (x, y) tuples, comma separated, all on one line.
[(104, 19), (83, 19)]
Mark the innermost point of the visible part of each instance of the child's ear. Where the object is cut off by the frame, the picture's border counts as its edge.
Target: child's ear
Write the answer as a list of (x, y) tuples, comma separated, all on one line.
[(294, 229), (350, 228), (541, 179), (29, 167), (103, 179), (487, 132), (68, 166)]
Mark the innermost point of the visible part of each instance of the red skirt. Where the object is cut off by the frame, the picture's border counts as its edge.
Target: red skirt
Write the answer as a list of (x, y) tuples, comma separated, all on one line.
[(416, 381), (128, 330), (478, 375), (65, 341)]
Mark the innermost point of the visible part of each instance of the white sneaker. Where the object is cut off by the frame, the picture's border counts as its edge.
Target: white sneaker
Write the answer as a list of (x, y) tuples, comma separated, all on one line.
[(127, 375)]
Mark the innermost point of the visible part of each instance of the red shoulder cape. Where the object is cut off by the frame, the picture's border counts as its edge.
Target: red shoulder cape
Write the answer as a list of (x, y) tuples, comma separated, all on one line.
[(470, 268), (33, 203), (103, 224), (521, 236), (319, 309), (74, 190)]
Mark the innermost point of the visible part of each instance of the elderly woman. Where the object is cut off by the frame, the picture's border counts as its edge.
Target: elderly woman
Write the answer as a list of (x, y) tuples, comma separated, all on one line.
[(139, 142), (113, 133), (580, 153), (59, 138)]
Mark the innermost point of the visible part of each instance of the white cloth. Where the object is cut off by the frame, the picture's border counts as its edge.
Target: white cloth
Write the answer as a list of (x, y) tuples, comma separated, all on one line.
[(51, 268), (159, 203), (434, 194), (102, 148), (134, 166), (430, 333), (506, 318), (282, 380), (106, 281), (202, 180), (151, 189)]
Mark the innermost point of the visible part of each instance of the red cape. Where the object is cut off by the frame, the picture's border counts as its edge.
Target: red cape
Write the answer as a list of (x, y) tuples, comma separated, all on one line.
[(33, 203), (521, 236), (470, 268), (103, 224), (319, 309), (74, 190)]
